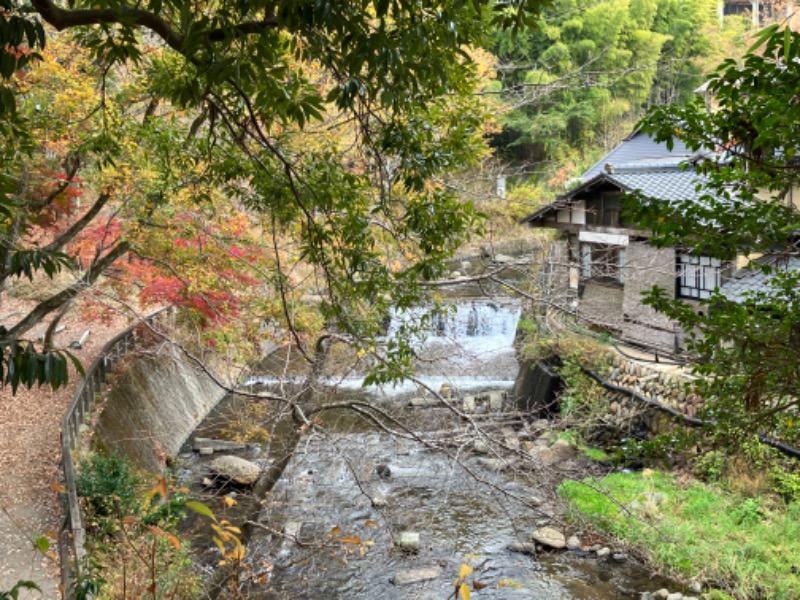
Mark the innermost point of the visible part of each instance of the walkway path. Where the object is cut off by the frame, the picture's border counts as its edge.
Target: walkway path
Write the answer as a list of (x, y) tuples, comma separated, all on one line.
[(30, 460)]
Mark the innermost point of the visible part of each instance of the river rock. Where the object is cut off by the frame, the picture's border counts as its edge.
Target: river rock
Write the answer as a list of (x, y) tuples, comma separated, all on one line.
[(235, 469), (602, 552), (209, 446), (496, 401), (510, 438), (408, 541), (416, 575), (493, 464), (549, 536), (559, 451), (423, 402), (574, 542), (523, 547), (480, 447)]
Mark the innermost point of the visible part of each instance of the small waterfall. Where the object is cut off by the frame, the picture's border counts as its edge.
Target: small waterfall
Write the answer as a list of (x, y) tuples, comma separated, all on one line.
[(492, 324), (469, 344)]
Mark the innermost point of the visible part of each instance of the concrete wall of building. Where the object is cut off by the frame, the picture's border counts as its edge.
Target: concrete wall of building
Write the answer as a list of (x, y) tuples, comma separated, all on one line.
[(648, 266), (602, 304)]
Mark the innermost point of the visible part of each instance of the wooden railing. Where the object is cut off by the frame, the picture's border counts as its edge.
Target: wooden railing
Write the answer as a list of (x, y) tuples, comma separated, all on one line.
[(77, 417)]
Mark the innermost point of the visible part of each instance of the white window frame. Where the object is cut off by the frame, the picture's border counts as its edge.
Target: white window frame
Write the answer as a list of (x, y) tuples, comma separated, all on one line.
[(596, 263), (698, 276)]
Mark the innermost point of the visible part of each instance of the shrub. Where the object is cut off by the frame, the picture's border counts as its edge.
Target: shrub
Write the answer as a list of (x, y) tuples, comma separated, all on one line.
[(108, 487)]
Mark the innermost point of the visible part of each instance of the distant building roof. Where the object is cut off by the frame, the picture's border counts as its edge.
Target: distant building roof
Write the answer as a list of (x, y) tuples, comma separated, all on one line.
[(639, 164), (748, 280), (637, 147)]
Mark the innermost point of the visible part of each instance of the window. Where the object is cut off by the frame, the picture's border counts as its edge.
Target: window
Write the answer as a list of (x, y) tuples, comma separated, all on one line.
[(603, 262), (604, 210), (698, 276)]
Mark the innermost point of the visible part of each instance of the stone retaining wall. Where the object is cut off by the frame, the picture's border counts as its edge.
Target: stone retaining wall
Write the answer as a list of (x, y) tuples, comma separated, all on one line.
[(666, 384)]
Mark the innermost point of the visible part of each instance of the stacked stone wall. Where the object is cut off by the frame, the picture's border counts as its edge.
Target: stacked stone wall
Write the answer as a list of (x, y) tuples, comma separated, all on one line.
[(667, 385)]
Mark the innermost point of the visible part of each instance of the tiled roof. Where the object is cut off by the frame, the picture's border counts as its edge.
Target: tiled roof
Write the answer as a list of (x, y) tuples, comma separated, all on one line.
[(638, 146), (746, 281), (638, 164), (661, 184)]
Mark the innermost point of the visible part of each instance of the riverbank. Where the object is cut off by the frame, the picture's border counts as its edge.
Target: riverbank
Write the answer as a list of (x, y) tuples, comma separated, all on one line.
[(723, 542)]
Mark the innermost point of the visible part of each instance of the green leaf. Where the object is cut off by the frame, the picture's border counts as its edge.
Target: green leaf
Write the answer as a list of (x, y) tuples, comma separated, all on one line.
[(762, 36), (42, 543), (787, 43), (75, 362), (200, 509)]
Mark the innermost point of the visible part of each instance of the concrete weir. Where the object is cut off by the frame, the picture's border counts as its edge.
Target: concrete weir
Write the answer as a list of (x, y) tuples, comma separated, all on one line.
[(153, 407)]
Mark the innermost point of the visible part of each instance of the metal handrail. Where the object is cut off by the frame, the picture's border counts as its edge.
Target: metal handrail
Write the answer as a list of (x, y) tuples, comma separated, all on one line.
[(72, 537)]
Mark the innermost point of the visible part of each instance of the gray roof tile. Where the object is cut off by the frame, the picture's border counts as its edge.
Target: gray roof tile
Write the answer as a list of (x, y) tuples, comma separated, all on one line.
[(638, 146), (746, 281)]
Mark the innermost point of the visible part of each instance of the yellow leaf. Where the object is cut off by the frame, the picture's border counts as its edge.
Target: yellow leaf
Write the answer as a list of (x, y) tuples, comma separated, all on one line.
[(354, 539), (227, 501), (173, 541), (463, 591), (508, 583), (159, 489), (370, 523), (335, 531), (236, 553), (465, 570)]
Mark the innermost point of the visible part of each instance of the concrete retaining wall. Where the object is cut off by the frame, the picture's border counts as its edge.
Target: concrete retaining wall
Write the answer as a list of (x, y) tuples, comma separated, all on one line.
[(153, 406)]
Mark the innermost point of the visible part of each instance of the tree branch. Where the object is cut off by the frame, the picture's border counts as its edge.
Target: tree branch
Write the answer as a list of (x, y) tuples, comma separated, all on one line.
[(64, 19), (57, 300), (79, 225)]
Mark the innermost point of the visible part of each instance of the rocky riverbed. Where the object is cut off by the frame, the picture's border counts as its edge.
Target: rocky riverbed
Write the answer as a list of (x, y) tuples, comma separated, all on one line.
[(361, 513)]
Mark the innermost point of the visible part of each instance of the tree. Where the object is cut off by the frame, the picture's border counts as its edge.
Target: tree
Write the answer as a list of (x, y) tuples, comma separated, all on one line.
[(583, 78), (327, 125), (748, 347)]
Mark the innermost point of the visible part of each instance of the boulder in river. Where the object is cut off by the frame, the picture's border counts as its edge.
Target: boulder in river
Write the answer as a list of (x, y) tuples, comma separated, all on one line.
[(234, 469), (408, 541), (549, 536)]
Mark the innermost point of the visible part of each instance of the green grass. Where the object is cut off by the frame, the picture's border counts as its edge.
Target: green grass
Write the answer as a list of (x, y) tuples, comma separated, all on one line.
[(575, 438), (749, 546)]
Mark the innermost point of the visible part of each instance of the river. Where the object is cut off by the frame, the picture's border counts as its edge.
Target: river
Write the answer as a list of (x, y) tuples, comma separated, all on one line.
[(332, 524)]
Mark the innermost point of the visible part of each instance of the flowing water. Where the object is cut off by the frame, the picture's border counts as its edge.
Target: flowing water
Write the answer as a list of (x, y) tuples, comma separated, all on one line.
[(329, 526)]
